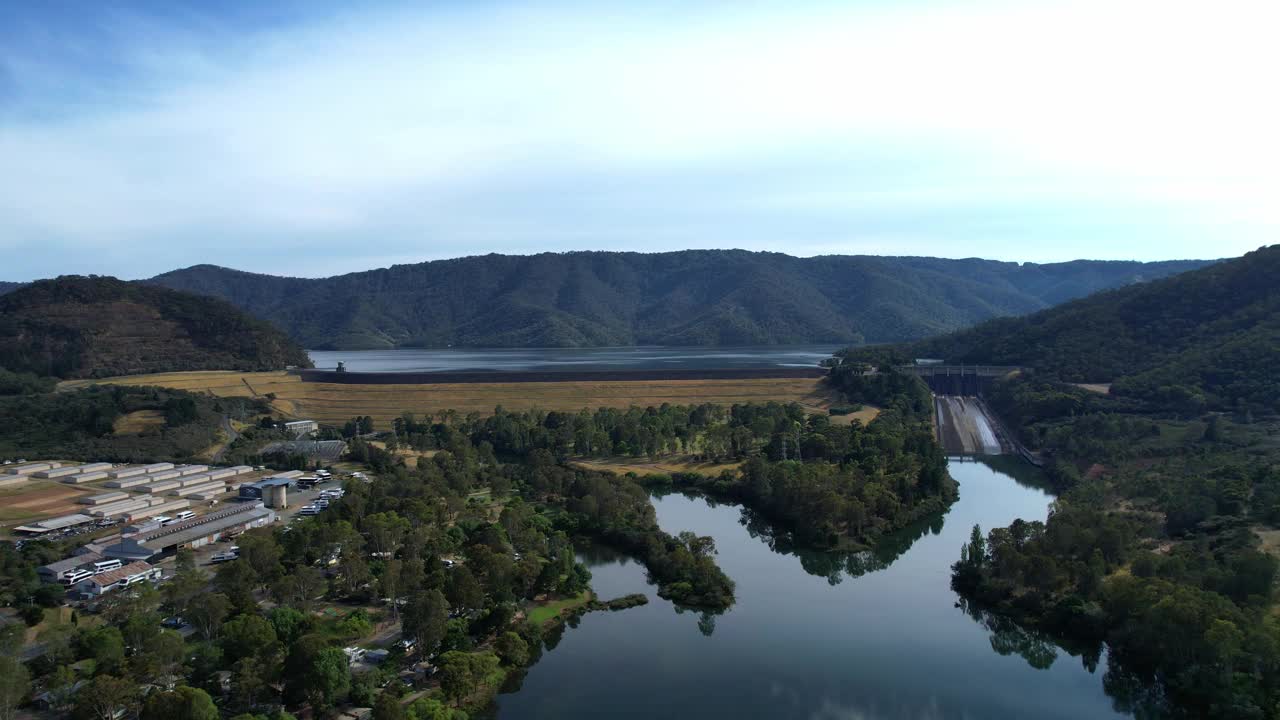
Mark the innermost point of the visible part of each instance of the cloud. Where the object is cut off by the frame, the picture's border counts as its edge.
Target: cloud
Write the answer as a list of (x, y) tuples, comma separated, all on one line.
[(1029, 130)]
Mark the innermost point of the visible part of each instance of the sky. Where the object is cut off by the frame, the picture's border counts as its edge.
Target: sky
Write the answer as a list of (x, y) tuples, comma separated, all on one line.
[(316, 138)]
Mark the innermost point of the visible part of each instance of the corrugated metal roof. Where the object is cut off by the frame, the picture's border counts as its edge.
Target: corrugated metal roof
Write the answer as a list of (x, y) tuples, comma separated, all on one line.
[(114, 576)]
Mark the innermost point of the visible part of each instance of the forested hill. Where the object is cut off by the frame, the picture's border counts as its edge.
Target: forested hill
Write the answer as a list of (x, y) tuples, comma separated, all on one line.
[(73, 327), (695, 297), (1211, 335), (8, 287)]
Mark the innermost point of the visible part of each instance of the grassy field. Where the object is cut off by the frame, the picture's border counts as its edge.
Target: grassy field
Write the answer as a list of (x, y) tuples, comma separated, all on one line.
[(545, 611), (663, 466), (334, 404)]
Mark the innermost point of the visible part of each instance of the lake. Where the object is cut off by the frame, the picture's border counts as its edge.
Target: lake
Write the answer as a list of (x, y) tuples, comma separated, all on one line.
[(620, 358), (806, 639)]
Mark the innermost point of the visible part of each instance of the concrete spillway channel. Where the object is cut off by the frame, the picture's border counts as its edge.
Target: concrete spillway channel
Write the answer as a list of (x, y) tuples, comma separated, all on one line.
[(965, 427)]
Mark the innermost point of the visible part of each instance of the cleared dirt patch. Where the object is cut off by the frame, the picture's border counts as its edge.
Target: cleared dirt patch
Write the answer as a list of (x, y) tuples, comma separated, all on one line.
[(1100, 388), (138, 421), (865, 416), (41, 499), (1270, 540), (334, 404)]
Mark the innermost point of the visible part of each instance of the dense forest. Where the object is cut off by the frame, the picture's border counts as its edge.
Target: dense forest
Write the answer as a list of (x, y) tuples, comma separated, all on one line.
[(694, 297), (1204, 339), (88, 423), (75, 327)]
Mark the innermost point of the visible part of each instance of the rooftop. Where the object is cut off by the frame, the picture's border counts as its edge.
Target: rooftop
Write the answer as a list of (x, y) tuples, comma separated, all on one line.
[(114, 576), (183, 532), (71, 563)]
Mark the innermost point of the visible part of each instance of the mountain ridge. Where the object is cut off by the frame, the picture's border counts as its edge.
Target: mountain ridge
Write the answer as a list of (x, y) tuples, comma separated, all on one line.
[(1207, 337), (692, 297), (75, 326)]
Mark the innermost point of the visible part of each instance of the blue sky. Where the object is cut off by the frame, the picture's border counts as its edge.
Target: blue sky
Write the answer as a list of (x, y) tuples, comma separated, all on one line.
[(314, 138)]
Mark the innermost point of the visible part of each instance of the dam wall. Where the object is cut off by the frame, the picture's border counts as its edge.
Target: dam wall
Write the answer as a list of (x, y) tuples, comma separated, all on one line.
[(495, 376)]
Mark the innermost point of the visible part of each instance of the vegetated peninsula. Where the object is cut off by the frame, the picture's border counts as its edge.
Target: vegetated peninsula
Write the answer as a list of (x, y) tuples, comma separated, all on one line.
[(1163, 543), (693, 297), (77, 327)]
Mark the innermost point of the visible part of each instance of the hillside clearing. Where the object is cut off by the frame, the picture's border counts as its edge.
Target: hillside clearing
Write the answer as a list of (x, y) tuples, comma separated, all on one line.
[(138, 422)]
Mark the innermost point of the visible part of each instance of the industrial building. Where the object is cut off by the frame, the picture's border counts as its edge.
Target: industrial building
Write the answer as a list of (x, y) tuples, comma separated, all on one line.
[(193, 533), (271, 491), (53, 524), (302, 428), (31, 468), (85, 477), (57, 472), (103, 498), (54, 571)]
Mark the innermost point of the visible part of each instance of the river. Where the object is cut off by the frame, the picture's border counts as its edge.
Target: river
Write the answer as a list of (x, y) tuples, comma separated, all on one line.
[(619, 358), (818, 644)]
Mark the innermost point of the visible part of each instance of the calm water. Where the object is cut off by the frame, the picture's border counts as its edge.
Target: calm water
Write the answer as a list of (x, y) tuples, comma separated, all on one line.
[(626, 358), (886, 643)]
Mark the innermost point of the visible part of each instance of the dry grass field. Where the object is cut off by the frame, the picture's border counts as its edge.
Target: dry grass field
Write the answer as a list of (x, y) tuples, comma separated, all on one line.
[(865, 416), (41, 499), (662, 466), (140, 421), (333, 404)]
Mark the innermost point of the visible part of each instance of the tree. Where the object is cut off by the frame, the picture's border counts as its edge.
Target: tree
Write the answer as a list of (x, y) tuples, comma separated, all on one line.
[(315, 673), (206, 613), (261, 553), (288, 623), (424, 620), (389, 585), (249, 682), (15, 683), (182, 703), (299, 588), (512, 649), (104, 645), (104, 698), (161, 656), (385, 530), (462, 589), (461, 674), (248, 636), (60, 687), (388, 707)]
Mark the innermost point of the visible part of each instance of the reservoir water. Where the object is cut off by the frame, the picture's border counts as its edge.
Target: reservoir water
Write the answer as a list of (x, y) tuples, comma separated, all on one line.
[(620, 358), (816, 636)]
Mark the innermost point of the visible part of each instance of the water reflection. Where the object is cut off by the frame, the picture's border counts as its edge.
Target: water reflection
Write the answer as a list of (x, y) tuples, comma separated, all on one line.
[(874, 634)]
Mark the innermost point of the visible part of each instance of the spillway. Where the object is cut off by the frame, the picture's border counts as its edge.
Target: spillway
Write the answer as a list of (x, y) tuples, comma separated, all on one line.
[(965, 428)]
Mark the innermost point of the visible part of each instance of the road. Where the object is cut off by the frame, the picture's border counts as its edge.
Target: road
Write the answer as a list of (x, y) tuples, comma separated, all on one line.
[(231, 437)]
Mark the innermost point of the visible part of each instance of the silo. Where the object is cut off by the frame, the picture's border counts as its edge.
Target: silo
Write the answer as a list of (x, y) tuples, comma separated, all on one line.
[(277, 497)]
